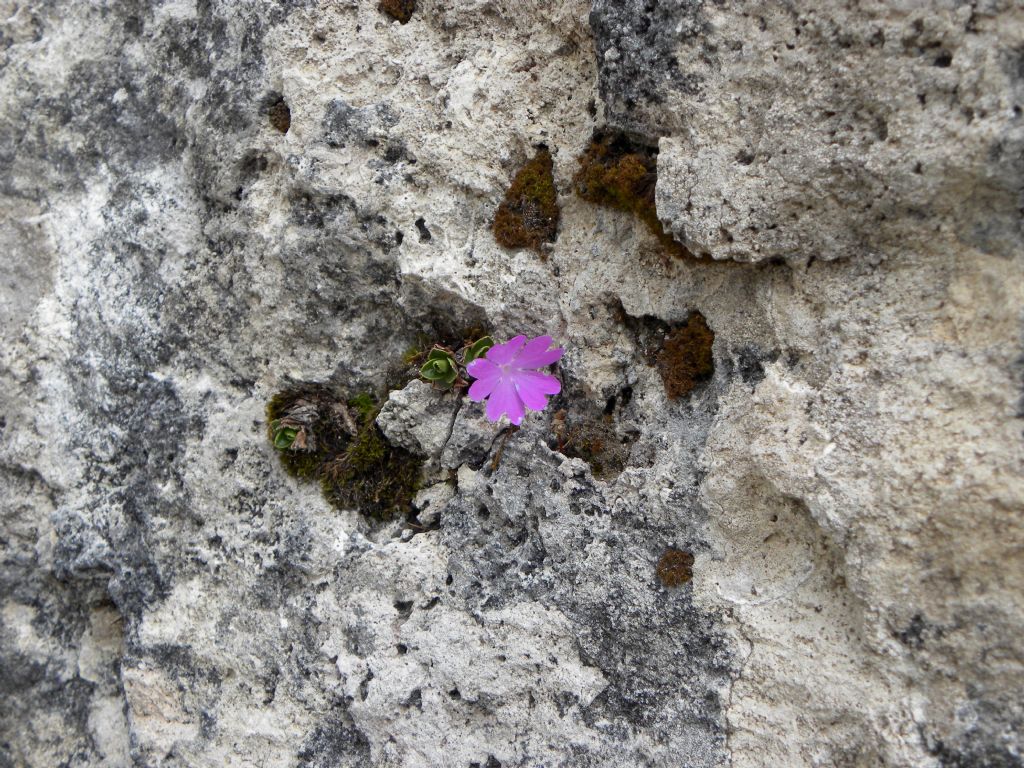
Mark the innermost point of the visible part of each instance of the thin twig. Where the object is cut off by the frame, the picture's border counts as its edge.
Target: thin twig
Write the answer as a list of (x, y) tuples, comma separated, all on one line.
[(509, 431)]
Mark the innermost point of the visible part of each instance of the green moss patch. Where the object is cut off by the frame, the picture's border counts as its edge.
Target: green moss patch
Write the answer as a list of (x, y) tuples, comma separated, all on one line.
[(321, 436), (374, 477), (528, 216)]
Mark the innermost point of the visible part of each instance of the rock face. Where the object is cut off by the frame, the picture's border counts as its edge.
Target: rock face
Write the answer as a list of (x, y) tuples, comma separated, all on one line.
[(420, 419), (841, 148), (205, 203)]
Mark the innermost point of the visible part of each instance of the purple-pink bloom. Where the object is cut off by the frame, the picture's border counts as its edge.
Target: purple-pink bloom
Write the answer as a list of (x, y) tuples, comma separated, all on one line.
[(507, 377)]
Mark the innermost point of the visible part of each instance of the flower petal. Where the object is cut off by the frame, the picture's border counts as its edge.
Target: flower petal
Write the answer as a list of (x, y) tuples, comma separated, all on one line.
[(486, 374), (536, 354), (482, 387), (504, 399), (532, 397), (502, 354), (540, 359), (482, 368), (534, 381)]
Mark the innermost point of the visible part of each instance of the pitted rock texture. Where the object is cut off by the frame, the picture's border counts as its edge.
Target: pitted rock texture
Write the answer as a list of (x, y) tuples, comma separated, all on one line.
[(204, 203), (814, 130), (419, 418)]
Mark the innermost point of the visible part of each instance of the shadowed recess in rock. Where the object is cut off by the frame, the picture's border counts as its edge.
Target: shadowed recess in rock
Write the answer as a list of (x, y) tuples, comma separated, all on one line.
[(399, 10)]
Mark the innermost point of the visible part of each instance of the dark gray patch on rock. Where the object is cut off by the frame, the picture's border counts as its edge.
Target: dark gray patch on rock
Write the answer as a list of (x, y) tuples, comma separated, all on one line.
[(992, 740), (636, 44), (344, 124), (335, 744), (523, 537), (748, 363)]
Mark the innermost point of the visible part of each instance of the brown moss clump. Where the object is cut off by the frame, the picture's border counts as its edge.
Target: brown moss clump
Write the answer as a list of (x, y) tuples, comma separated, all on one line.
[(280, 115), (686, 358), (618, 173), (675, 567), (399, 10), (529, 214), (336, 441)]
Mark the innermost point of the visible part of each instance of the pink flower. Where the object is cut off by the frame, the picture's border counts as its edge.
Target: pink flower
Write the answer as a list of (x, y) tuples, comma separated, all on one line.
[(508, 379)]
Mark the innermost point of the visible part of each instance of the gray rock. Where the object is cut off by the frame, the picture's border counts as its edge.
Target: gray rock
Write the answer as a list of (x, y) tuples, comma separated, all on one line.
[(472, 437), (419, 418), (848, 482), (638, 48), (430, 501), (846, 118), (540, 530)]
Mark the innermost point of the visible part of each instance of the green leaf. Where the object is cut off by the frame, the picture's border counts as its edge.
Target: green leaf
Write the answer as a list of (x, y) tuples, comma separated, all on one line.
[(440, 371), (478, 349), (439, 354), (284, 437), (440, 367), (430, 372)]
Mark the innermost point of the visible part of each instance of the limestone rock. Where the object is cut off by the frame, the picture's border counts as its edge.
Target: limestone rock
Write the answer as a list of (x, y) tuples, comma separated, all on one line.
[(419, 418), (776, 119), (471, 438), (205, 203), (430, 501)]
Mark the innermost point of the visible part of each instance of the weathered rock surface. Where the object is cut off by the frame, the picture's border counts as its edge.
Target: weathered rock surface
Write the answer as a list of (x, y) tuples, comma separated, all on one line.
[(419, 418), (203, 203)]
